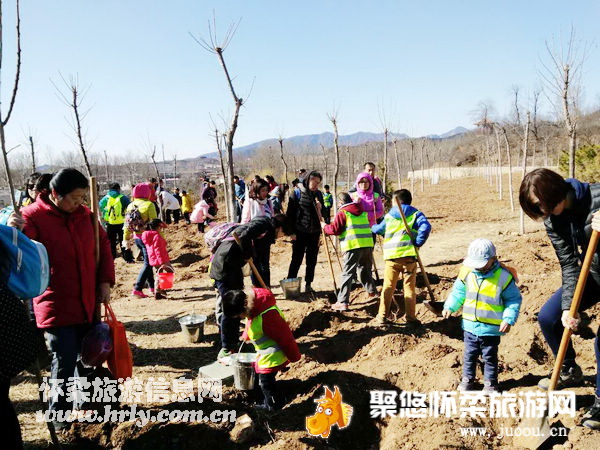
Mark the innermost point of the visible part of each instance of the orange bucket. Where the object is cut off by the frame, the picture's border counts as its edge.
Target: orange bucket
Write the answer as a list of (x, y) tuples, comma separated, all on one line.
[(165, 280)]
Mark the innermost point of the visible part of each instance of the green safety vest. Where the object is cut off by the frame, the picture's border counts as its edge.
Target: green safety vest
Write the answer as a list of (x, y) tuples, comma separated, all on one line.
[(327, 200), (397, 242), (114, 211), (483, 302), (269, 353), (357, 233)]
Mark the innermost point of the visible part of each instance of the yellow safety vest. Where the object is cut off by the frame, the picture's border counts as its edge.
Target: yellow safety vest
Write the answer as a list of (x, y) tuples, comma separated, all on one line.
[(357, 233), (483, 302), (397, 242), (269, 353), (114, 211)]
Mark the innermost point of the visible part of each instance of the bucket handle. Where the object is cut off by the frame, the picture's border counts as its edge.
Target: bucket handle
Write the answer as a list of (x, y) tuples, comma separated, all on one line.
[(243, 343), (168, 269)]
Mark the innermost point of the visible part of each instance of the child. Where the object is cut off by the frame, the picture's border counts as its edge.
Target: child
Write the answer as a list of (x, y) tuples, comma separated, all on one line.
[(186, 206), (490, 300), (271, 335), (158, 256), (351, 224), (327, 204), (201, 215), (400, 255)]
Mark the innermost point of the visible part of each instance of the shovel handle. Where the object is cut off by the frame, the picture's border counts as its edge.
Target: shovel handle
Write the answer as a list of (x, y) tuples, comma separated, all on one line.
[(566, 337), (252, 266), (326, 249)]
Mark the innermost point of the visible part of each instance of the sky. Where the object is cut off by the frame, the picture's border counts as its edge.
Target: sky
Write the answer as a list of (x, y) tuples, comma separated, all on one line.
[(421, 67)]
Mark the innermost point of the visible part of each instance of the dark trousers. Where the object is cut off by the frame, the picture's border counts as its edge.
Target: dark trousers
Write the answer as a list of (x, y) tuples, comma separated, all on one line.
[(64, 344), (261, 255), (9, 422), (549, 319), (146, 275), (176, 215), (115, 236), (168, 213), (487, 347), (326, 213), (230, 326), (186, 216), (305, 243), (271, 396), (238, 211), (356, 260)]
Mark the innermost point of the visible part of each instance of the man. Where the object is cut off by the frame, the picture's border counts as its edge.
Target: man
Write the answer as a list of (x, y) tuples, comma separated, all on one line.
[(240, 194), (177, 212), (304, 202), (113, 206), (168, 203)]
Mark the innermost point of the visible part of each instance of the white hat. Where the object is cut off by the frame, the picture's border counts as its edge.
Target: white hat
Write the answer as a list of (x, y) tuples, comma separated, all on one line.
[(479, 253)]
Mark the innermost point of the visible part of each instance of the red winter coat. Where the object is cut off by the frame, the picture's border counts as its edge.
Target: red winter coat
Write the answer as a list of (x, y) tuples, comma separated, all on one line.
[(338, 226), (70, 298), (273, 326), (156, 246)]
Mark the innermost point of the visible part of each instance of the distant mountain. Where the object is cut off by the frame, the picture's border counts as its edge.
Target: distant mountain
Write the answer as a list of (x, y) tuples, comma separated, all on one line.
[(311, 142)]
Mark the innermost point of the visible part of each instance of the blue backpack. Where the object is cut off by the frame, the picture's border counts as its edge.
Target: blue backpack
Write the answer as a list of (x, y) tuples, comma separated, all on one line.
[(28, 268)]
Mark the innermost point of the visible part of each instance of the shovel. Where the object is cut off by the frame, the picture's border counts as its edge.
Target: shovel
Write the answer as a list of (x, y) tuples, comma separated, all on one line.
[(335, 289), (540, 425), (431, 304)]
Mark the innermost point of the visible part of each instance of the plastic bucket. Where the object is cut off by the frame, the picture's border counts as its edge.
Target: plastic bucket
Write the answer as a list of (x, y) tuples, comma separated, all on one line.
[(165, 280), (243, 370), (192, 327), (291, 287)]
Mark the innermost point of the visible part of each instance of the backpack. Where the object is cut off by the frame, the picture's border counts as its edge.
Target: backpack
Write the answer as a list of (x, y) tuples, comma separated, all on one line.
[(114, 213), (134, 220), (28, 268), (218, 234)]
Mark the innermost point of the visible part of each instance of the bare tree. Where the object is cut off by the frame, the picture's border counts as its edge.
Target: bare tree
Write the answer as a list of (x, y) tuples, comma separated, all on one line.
[(333, 119), (348, 179), (325, 162), (524, 166), (399, 179), (412, 165), (285, 166), (107, 174), (214, 46), (499, 160), (423, 142), (32, 148), (562, 75)]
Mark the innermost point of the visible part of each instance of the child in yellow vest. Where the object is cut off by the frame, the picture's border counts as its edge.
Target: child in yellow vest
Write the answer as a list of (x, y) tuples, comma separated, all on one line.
[(271, 335), (351, 224), (491, 301), (400, 255)]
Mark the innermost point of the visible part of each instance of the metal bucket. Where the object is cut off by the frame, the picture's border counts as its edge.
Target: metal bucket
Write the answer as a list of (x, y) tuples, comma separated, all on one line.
[(243, 370), (291, 287), (192, 327)]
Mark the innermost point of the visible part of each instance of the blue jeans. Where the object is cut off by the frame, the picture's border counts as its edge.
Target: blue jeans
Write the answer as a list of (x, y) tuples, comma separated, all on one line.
[(487, 347), (146, 274), (64, 344), (549, 319), (230, 326)]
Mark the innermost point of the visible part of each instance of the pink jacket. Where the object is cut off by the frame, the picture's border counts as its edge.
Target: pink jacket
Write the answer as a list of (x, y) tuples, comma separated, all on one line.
[(370, 202), (156, 246), (200, 212)]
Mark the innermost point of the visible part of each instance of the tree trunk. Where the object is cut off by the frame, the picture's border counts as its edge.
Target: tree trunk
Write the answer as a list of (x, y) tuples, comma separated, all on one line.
[(347, 168), (325, 163), (524, 167), (422, 167), (412, 166), (32, 154), (337, 161), (399, 179), (510, 181), (285, 166), (499, 149), (385, 158)]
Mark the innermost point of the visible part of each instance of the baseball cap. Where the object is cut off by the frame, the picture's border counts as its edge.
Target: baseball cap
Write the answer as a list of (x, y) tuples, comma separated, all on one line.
[(479, 252)]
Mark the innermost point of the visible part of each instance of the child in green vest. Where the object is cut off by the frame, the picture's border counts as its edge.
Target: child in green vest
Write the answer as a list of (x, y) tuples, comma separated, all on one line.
[(400, 255), (491, 301), (327, 204), (273, 340), (352, 226)]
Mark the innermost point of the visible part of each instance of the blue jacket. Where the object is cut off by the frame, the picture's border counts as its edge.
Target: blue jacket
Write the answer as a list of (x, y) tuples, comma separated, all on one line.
[(422, 224), (240, 190), (511, 296), (112, 193)]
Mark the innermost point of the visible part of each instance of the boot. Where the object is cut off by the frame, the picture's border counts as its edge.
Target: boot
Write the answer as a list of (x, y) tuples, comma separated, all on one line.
[(591, 418), (569, 377)]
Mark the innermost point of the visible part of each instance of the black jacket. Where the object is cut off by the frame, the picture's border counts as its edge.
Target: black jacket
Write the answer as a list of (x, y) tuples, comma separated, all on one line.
[(302, 210), (229, 258), (571, 231)]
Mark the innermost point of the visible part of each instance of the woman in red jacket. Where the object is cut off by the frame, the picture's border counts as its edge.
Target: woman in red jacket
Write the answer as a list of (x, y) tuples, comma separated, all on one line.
[(158, 255), (271, 335), (65, 311)]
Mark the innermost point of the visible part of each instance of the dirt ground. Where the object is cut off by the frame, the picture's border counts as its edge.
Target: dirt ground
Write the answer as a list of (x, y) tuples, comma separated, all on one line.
[(344, 349)]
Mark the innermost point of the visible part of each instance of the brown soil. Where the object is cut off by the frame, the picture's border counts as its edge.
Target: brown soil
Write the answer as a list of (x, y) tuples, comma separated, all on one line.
[(343, 349)]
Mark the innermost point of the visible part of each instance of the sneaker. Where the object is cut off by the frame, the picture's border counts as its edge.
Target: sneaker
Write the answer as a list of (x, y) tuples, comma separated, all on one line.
[(139, 294), (569, 377), (152, 291), (591, 418), (466, 384), (490, 387), (340, 306)]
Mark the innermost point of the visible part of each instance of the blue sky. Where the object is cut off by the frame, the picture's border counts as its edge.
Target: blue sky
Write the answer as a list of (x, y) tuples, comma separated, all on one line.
[(427, 64)]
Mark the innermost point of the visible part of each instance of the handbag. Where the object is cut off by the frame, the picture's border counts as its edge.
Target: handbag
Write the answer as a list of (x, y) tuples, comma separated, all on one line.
[(120, 360)]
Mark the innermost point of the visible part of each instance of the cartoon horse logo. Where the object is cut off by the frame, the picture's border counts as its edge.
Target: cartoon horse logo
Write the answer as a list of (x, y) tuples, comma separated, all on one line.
[(330, 411)]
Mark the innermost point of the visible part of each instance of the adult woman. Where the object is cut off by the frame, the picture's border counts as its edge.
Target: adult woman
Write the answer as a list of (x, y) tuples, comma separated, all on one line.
[(259, 205), (141, 194), (370, 201), (567, 207), (65, 311)]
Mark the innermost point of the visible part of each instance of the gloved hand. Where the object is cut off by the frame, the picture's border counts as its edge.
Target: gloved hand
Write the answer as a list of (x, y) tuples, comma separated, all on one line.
[(126, 244)]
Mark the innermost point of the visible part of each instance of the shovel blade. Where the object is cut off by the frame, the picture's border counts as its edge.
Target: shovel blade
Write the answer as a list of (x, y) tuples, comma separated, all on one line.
[(532, 433), (434, 307)]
